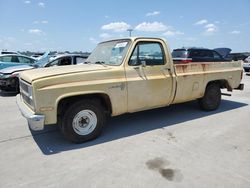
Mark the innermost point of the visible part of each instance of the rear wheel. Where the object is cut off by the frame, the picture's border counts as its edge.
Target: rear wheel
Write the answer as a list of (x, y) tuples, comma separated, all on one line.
[(83, 121), (212, 97)]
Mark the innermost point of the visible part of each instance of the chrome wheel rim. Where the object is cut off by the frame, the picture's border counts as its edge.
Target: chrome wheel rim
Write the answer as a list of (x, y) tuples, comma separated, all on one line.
[(84, 122)]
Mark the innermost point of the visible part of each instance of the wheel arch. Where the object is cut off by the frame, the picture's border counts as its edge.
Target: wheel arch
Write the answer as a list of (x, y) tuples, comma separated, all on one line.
[(223, 83), (100, 97)]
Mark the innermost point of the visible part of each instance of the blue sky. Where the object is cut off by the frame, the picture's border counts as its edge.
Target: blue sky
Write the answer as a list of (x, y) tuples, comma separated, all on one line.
[(40, 25)]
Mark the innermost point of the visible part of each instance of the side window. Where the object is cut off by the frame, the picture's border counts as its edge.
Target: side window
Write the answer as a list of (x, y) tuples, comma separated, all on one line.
[(195, 54), (14, 59), (217, 56), (24, 60), (53, 63), (149, 53), (207, 54), (60, 62), (80, 60), (134, 59), (6, 59)]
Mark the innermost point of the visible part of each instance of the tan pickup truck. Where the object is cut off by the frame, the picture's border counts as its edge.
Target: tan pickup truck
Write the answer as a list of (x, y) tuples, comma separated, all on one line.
[(120, 76)]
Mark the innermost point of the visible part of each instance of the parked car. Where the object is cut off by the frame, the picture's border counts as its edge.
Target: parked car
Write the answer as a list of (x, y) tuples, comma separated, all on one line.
[(9, 60), (246, 64), (122, 76), (237, 56), (187, 55), (9, 76)]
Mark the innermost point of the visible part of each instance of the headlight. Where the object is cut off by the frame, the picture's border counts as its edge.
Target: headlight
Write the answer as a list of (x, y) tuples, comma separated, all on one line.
[(6, 76)]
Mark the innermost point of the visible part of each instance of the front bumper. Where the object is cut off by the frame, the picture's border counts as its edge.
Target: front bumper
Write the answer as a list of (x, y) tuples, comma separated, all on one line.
[(9, 84), (36, 122)]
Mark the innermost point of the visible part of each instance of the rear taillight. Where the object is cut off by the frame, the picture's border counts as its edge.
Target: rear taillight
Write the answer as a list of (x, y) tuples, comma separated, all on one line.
[(241, 76), (245, 61)]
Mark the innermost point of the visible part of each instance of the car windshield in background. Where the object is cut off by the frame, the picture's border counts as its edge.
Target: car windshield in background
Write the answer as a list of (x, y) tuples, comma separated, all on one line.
[(180, 54), (109, 53)]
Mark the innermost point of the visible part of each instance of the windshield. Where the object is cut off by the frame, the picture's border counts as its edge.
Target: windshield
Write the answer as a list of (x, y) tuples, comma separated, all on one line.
[(109, 53)]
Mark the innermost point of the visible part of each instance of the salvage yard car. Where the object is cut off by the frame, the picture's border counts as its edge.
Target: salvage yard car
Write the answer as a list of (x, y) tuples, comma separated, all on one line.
[(9, 80), (9, 60), (187, 55), (120, 76)]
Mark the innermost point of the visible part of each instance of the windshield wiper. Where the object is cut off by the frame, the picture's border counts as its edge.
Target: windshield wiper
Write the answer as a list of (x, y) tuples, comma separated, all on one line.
[(101, 63)]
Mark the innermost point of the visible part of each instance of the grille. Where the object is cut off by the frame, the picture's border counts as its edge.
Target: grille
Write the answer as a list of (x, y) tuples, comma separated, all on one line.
[(24, 87), (25, 91)]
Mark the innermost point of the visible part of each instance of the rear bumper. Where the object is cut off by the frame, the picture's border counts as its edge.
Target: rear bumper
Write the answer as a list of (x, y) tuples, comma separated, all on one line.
[(240, 87), (36, 122)]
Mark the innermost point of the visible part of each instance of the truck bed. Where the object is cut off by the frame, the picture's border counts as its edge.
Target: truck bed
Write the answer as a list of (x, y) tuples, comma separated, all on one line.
[(193, 77)]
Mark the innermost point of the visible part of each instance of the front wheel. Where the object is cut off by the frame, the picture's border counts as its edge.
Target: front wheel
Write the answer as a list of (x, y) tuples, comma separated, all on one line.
[(83, 121), (212, 97)]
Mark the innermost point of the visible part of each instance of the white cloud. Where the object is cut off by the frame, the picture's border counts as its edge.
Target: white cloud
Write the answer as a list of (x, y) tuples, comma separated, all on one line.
[(235, 32), (210, 26), (201, 22), (116, 26), (173, 33), (210, 29), (155, 13), (36, 32), (151, 27), (105, 36), (44, 22), (93, 40), (41, 4), (27, 2)]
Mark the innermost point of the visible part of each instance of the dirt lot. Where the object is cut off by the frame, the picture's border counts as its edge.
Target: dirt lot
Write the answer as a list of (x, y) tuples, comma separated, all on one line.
[(176, 146)]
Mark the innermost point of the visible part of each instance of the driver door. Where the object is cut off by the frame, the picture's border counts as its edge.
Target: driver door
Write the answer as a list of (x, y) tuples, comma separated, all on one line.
[(149, 82)]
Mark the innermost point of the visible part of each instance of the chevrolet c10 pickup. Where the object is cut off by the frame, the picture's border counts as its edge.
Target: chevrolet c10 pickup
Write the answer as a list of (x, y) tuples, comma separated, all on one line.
[(120, 76)]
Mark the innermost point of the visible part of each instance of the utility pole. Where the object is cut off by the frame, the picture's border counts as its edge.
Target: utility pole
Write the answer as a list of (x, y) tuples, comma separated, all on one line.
[(130, 31)]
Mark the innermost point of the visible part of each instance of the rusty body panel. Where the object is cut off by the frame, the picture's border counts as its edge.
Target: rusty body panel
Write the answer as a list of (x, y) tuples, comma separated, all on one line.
[(194, 77), (129, 88)]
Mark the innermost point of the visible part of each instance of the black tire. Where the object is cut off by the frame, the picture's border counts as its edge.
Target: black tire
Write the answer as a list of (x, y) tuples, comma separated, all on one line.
[(69, 130), (212, 97)]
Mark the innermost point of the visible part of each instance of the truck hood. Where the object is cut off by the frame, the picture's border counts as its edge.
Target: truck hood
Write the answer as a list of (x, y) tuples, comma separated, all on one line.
[(13, 69), (35, 74)]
